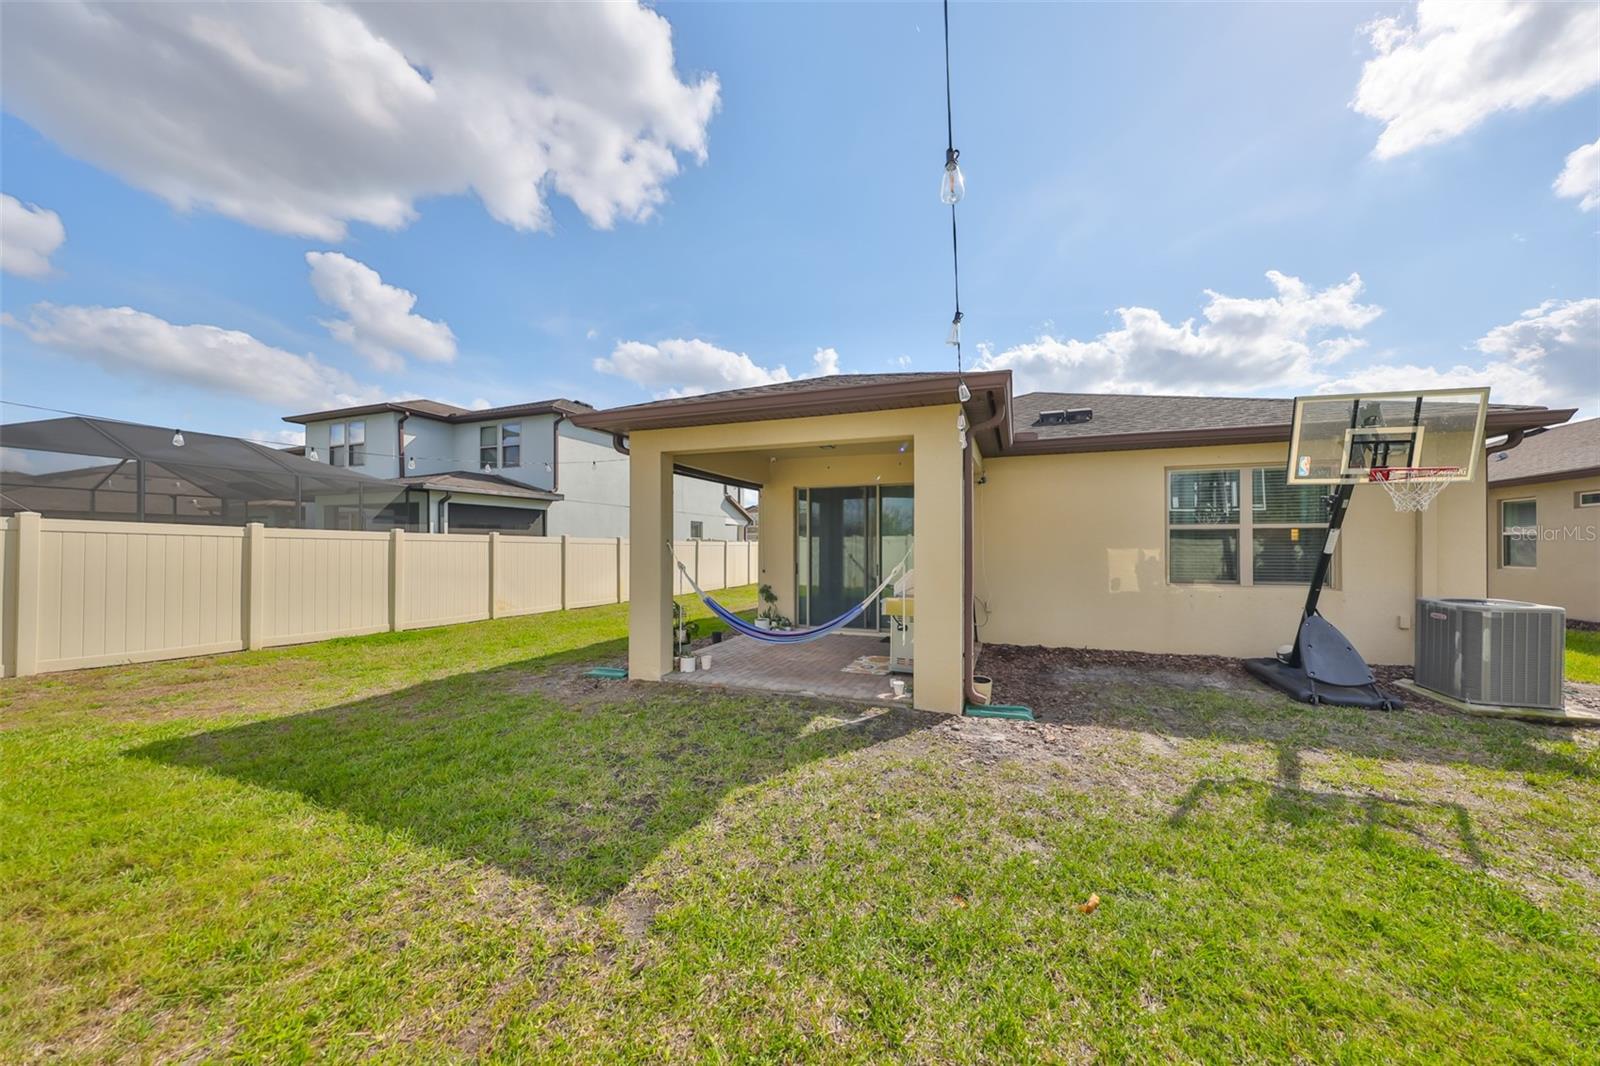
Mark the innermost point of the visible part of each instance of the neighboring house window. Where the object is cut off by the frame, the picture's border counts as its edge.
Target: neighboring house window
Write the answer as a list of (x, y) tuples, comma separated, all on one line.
[(1519, 533), (1213, 514), (347, 444), (697, 530), (500, 445), (1589, 498)]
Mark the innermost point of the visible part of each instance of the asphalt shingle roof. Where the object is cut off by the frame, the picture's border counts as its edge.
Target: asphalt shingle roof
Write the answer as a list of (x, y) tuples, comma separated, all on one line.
[(1562, 451), (472, 481)]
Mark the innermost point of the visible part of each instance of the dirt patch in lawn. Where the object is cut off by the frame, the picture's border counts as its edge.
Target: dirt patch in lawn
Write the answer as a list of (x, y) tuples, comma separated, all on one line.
[(1056, 682), (1189, 732)]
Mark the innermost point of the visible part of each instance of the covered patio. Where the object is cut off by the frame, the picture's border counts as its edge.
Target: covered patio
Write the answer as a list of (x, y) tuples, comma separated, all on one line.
[(908, 438), (845, 666)]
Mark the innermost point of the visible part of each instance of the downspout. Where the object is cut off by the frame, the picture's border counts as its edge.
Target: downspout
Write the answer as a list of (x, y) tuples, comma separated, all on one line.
[(617, 443), (400, 444), (444, 512), (968, 651), (555, 453)]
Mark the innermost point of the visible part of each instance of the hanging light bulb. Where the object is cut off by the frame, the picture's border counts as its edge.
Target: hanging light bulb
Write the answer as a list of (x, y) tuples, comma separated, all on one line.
[(311, 453), (961, 421), (411, 462), (177, 438), (954, 338), (962, 392), (952, 183)]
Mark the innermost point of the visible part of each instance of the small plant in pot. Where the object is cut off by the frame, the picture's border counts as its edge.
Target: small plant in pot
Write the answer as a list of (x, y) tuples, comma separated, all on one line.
[(683, 635), (768, 616)]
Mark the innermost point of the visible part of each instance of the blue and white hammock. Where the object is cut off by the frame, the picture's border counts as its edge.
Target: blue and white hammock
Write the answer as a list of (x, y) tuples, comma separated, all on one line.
[(784, 636)]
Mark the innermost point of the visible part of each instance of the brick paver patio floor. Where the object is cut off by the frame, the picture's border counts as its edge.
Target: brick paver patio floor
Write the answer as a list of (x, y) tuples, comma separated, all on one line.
[(815, 668)]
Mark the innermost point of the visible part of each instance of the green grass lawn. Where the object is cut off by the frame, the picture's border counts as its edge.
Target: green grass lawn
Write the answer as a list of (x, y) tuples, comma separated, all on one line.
[(1583, 655), (444, 845)]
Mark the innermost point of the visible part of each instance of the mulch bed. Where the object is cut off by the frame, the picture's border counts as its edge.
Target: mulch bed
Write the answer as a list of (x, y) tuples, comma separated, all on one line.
[(1033, 676)]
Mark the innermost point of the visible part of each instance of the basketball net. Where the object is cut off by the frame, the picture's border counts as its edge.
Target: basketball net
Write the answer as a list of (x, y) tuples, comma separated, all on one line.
[(1412, 488)]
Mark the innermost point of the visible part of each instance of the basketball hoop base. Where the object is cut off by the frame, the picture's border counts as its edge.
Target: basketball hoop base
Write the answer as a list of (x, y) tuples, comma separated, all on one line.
[(1324, 668), (1293, 682)]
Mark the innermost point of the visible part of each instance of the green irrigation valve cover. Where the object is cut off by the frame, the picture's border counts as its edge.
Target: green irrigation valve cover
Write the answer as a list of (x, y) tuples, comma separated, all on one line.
[(610, 673)]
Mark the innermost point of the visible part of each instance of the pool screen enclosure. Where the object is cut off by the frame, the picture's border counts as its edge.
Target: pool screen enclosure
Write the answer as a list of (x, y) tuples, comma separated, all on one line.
[(91, 468)]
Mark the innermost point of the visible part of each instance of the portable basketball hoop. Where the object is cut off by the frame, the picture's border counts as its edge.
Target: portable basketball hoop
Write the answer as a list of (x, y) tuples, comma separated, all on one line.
[(1414, 444), (1413, 488)]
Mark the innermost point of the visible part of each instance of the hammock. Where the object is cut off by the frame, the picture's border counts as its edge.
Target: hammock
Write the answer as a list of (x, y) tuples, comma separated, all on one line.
[(784, 636)]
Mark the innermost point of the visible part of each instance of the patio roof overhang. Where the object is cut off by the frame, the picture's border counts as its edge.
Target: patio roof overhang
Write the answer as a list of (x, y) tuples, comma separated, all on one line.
[(810, 397)]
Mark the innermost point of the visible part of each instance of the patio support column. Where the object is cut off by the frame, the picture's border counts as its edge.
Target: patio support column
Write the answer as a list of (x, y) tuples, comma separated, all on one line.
[(650, 572), (940, 549)]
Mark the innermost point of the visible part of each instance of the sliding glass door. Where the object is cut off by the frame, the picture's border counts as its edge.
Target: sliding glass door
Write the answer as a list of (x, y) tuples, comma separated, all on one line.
[(847, 539)]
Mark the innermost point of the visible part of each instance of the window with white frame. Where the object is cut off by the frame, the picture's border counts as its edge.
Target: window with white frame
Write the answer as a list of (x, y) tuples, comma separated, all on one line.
[(347, 443), (1242, 526), (500, 445), (1589, 498), (1519, 533)]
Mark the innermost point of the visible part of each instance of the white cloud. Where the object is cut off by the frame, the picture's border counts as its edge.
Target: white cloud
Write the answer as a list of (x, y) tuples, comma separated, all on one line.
[(1550, 355), (824, 363), (378, 323), (1580, 178), (1243, 345), (29, 236), (690, 367), (278, 438), (303, 122), (127, 341), (1459, 63)]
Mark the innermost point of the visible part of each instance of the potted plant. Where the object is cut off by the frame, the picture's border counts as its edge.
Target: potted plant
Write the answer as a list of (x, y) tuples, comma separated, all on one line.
[(768, 615), (683, 634)]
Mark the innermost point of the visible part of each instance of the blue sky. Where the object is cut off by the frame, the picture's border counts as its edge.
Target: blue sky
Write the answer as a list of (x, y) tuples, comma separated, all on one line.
[(1130, 168)]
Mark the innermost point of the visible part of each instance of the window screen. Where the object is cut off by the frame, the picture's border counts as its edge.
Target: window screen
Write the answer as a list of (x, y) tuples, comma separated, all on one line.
[(1519, 533), (1212, 514), (488, 450), (1203, 498), (511, 444), (1289, 526)]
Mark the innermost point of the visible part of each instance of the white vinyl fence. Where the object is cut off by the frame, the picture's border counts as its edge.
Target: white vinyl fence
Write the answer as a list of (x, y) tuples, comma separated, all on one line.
[(76, 594)]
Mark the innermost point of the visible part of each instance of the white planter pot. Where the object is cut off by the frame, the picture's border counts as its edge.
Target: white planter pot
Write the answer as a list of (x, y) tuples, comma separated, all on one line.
[(763, 623), (705, 663), (686, 664)]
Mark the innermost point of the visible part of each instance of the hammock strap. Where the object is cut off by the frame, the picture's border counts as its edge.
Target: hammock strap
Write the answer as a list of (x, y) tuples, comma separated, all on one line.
[(784, 636)]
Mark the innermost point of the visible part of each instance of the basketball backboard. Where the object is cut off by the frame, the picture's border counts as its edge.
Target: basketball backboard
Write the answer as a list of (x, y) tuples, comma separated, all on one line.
[(1433, 435)]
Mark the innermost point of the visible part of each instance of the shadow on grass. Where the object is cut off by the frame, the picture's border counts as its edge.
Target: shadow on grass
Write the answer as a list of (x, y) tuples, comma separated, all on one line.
[(1219, 702), (574, 783), (1295, 805), (1213, 700)]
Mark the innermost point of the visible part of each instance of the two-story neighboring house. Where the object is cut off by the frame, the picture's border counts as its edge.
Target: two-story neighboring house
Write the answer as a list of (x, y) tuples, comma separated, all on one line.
[(523, 468)]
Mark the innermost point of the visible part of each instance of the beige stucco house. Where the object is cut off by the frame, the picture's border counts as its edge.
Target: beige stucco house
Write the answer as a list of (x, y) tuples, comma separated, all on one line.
[(1158, 524), (1544, 519)]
